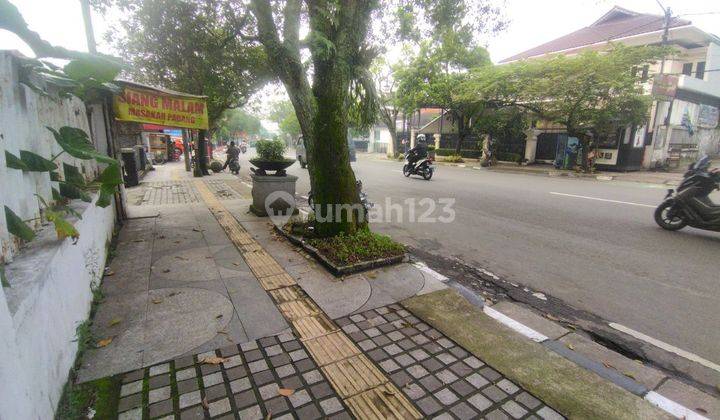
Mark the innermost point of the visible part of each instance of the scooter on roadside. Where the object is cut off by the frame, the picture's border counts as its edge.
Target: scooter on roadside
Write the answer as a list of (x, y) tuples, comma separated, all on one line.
[(689, 204), (423, 167)]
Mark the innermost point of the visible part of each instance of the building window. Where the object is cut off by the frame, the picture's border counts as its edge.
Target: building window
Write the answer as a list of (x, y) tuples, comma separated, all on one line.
[(687, 69), (700, 70)]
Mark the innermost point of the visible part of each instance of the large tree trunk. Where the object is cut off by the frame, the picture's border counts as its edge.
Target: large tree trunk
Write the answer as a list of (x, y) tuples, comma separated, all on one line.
[(321, 111)]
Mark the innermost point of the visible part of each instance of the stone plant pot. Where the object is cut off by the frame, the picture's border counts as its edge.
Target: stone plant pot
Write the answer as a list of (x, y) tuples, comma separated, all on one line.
[(281, 187), (271, 165)]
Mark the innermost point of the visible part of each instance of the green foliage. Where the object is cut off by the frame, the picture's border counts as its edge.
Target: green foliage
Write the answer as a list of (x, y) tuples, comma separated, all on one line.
[(76, 143), (283, 113), (453, 159), (3, 279), (105, 195), (360, 246), (191, 46), (73, 192), (509, 157), (111, 175), (36, 163), (271, 150), (464, 153), (237, 120), (73, 176), (14, 162), (216, 166), (17, 226), (99, 68)]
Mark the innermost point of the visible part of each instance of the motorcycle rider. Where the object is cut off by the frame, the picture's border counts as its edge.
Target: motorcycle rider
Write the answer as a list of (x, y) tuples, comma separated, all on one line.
[(418, 152), (233, 153)]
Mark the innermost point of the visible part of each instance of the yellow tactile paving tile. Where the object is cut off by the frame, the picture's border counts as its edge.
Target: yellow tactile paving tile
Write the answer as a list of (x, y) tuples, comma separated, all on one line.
[(363, 387), (287, 294), (331, 348), (382, 402), (275, 281), (313, 326), (297, 309), (354, 375)]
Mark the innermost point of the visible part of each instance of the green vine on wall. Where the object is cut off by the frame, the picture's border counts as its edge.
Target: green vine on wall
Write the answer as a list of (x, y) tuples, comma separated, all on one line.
[(76, 143)]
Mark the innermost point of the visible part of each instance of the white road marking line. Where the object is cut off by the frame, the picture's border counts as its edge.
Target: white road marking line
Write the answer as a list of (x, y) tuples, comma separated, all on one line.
[(246, 184), (516, 326), (665, 346), (677, 410), (602, 199), (423, 267)]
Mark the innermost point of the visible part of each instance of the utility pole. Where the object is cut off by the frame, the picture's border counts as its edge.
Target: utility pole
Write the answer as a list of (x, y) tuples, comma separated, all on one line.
[(666, 29), (89, 34)]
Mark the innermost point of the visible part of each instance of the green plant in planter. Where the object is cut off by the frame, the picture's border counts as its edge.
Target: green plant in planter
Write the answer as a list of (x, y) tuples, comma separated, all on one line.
[(271, 150)]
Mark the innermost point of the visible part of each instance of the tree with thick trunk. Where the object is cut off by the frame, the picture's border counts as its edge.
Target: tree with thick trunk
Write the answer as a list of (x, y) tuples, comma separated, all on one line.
[(339, 64)]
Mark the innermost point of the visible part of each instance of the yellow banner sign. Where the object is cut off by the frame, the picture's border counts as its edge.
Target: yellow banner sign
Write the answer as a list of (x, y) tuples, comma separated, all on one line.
[(146, 106)]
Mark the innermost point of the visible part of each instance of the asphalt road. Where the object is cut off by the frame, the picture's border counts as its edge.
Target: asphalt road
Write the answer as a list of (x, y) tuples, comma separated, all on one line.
[(556, 235)]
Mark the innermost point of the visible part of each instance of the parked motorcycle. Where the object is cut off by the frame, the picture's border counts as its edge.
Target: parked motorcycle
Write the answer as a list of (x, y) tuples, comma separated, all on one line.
[(690, 205), (366, 203), (423, 167), (234, 166)]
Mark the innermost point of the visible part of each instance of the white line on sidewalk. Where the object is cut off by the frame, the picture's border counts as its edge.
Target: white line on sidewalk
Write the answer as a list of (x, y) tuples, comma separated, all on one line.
[(516, 326), (665, 346), (246, 184), (677, 410), (602, 199)]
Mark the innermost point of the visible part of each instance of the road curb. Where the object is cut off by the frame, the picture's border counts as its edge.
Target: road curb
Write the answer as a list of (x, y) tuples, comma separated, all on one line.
[(435, 309)]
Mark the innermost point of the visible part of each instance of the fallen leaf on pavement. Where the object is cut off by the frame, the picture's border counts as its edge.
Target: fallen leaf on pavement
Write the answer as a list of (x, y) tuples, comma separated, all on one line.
[(608, 365), (570, 346), (104, 342), (552, 317), (389, 393), (157, 300), (213, 360), (138, 240), (197, 230), (629, 375), (109, 272), (372, 275), (205, 403), (181, 258), (236, 264), (701, 410), (639, 362), (115, 321), (219, 316), (177, 242), (167, 270), (173, 294), (269, 415), (285, 392)]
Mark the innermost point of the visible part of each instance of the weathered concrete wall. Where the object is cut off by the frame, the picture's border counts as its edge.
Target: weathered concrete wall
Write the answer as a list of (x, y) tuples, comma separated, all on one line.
[(50, 295), (49, 291)]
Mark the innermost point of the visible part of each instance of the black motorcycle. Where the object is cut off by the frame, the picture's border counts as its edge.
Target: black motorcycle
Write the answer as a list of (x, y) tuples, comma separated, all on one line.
[(234, 166), (423, 167), (690, 205)]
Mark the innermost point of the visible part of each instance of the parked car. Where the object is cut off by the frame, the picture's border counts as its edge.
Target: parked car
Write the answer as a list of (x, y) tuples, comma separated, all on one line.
[(301, 151)]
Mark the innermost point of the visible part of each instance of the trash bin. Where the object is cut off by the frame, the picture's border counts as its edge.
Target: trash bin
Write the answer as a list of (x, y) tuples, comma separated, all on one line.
[(130, 169)]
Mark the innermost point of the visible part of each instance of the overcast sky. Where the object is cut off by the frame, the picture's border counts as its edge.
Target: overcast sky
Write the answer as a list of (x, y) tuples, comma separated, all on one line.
[(532, 22)]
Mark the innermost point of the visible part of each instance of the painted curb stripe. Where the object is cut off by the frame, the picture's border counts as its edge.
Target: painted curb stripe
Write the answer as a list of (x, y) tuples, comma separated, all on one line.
[(516, 326), (423, 267), (665, 346), (677, 410)]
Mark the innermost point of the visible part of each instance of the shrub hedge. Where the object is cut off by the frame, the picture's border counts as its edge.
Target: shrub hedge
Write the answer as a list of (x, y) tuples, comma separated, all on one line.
[(466, 153)]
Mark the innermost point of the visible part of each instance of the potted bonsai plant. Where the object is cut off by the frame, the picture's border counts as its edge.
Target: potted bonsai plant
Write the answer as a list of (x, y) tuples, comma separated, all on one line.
[(271, 158)]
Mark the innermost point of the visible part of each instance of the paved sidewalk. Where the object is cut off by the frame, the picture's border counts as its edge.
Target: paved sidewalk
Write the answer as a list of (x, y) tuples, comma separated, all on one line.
[(212, 315)]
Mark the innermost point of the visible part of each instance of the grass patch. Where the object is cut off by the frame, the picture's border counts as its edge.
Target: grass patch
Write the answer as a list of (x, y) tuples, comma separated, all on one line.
[(359, 247), (101, 395)]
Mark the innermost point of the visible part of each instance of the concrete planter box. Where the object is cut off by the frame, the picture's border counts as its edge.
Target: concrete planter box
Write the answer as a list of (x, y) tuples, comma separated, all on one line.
[(265, 185), (333, 268)]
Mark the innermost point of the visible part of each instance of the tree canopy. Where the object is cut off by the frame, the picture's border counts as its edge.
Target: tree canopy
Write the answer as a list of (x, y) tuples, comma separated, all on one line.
[(194, 47), (235, 121), (592, 94)]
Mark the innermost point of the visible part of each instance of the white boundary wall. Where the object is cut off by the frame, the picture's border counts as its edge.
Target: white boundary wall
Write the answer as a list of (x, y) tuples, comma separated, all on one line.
[(50, 280)]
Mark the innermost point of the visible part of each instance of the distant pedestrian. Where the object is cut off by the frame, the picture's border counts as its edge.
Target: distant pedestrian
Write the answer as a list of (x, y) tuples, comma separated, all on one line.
[(233, 153)]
